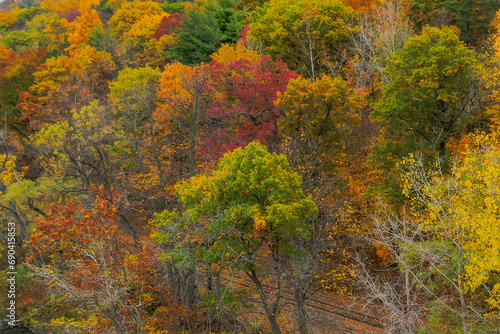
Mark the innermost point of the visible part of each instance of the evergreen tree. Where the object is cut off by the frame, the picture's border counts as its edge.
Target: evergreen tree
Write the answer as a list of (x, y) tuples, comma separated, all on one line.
[(198, 39)]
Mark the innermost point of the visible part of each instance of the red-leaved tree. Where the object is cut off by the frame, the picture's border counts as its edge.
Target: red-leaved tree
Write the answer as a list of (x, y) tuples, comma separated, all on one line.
[(82, 254)]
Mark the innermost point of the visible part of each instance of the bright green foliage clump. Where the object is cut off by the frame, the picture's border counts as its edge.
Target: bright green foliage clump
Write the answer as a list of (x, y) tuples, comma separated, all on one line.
[(254, 194), (254, 191), (428, 97), (428, 100), (429, 94)]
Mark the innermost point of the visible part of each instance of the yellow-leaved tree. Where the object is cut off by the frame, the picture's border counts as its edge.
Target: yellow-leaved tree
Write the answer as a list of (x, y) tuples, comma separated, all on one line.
[(81, 27), (448, 246), (471, 204)]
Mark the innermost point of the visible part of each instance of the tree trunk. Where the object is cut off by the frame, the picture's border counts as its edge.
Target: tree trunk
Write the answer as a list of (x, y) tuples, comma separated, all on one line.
[(270, 310), (442, 149), (301, 310), (463, 302), (111, 318), (227, 318), (188, 287), (275, 327)]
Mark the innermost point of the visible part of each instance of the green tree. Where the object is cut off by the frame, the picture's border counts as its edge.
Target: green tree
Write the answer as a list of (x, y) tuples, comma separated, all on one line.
[(428, 99), (250, 208), (21, 41), (206, 27), (229, 19), (198, 39)]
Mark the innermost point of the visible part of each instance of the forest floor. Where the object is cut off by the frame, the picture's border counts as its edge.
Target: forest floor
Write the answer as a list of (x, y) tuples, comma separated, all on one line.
[(329, 313), (342, 314)]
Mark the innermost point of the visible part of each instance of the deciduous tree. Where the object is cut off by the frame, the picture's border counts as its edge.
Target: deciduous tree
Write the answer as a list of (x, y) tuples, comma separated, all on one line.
[(245, 212), (318, 118), (183, 101), (247, 86), (16, 76), (79, 30), (66, 82), (88, 259), (133, 95), (131, 12), (471, 17), (428, 100), (309, 36)]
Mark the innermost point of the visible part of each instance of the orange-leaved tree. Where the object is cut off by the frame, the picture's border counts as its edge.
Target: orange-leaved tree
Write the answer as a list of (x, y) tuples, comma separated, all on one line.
[(183, 97), (84, 256), (66, 82)]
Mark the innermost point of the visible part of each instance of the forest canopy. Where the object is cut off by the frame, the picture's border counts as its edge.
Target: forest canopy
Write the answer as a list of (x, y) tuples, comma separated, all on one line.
[(250, 166)]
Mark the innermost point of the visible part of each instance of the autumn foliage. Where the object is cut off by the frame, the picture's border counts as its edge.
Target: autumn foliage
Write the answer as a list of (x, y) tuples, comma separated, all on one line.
[(83, 254), (216, 166)]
